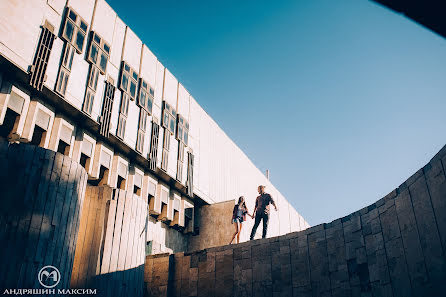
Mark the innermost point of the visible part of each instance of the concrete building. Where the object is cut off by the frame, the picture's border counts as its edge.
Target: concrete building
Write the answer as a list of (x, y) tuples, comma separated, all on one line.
[(76, 80)]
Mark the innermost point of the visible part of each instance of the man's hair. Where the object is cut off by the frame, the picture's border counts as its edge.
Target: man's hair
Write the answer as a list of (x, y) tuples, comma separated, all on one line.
[(262, 186)]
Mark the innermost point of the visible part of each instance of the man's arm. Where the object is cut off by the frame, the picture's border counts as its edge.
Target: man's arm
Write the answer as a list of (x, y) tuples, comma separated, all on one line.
[(272, 202), (255, 207)]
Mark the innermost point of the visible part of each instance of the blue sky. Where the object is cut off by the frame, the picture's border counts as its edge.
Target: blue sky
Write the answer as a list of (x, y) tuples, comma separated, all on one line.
[(341, 100)]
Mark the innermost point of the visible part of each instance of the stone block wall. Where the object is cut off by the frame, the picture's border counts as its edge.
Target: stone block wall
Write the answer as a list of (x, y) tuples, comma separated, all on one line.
[(394, 247), (41, 196), (215, 226)]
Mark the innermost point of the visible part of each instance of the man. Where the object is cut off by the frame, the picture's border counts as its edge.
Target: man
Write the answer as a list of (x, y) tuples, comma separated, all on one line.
[(261, 211)]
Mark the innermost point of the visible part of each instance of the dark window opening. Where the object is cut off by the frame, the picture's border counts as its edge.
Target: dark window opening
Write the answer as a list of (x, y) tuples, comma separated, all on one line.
[(163, 215), (103, 175), (137, 190), (39, 136), (148, 248), (9, 123), (85, 161), (121, 183), (63, 148)]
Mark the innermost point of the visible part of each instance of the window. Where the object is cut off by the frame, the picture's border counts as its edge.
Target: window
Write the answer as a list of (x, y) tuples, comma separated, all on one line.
[(190, 174), (129, 80), (75, 29), (90, 92), (67, 58), (180, 161), (182, 130), (93, 78), (65, 69), (99, 52), (88, 103), (40, 63), (169, 117), (107, 106), (62, 81), (141, 130), (166, 147), (146, 96), (154, 146), (122, 120)]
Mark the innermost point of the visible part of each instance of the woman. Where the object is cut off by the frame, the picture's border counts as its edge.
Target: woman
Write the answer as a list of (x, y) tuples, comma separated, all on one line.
[(238, 217)]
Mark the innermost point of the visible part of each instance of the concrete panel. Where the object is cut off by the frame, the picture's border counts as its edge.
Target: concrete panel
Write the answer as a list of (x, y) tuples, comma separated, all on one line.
[(117, 43), (52, 70), (20, 18), (132, 49), (170, 88), (148, 66), (77, 82), (131, 130), (159, 85), (104, 19), (183, 102), (57, 5), (84, 8)]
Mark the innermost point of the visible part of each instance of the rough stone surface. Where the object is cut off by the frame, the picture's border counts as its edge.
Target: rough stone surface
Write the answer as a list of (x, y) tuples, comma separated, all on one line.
[(394, 247)]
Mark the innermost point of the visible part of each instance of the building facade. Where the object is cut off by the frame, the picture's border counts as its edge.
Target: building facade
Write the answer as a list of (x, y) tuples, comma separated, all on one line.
[(76, 80)]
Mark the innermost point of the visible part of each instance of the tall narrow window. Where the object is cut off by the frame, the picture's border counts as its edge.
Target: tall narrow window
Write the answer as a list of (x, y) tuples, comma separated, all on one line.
[(127, 84), (129, 80), (38, 69), (142, 125), (145, 96), (98, 52), (65, 69), (190, 174), (169, 117), (180, 161), (166, 148), (74, 29), (182, 133), (154, 145), (90, 91), (107, 106)]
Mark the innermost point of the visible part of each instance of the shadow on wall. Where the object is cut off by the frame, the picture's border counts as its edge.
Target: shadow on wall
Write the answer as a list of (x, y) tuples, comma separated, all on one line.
[(119, 283), (394, 247), (41, 193)]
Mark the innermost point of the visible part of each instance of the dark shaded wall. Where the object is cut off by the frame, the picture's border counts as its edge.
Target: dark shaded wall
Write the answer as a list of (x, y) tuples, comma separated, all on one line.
[(41, 194), (394, 247)]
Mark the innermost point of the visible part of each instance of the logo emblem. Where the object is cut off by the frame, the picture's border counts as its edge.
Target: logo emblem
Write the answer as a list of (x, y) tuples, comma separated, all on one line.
[(49, 276)]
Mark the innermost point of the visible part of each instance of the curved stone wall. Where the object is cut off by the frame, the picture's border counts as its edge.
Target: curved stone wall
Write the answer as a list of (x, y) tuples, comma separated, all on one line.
[(394, 247), (41, 194)]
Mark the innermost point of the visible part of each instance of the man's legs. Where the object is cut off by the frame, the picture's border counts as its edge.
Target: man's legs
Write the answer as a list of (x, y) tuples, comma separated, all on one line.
[(256, 224), (265, 224)]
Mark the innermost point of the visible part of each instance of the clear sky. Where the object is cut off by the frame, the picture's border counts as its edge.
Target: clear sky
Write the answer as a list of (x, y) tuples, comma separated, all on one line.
[(341, 100)]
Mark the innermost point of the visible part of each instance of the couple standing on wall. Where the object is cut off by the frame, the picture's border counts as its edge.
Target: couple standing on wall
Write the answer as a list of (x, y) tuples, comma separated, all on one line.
[(260, 213)]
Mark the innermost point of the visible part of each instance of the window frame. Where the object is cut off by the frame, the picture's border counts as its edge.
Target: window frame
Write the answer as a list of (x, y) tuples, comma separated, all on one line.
[(77, 25), (183, 125), (149, 93), (170, 114), (132, 77), (96, 41)]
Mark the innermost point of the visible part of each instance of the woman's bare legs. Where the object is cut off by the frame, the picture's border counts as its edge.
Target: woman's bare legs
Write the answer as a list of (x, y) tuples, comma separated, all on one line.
[(238, 234), (235, 233)]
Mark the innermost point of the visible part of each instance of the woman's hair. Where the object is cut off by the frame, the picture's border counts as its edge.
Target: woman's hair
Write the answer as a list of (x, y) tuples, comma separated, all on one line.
[(240, 199)]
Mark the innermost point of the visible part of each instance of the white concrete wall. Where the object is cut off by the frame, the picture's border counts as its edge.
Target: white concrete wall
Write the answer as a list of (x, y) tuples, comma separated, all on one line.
[(222, 171)]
